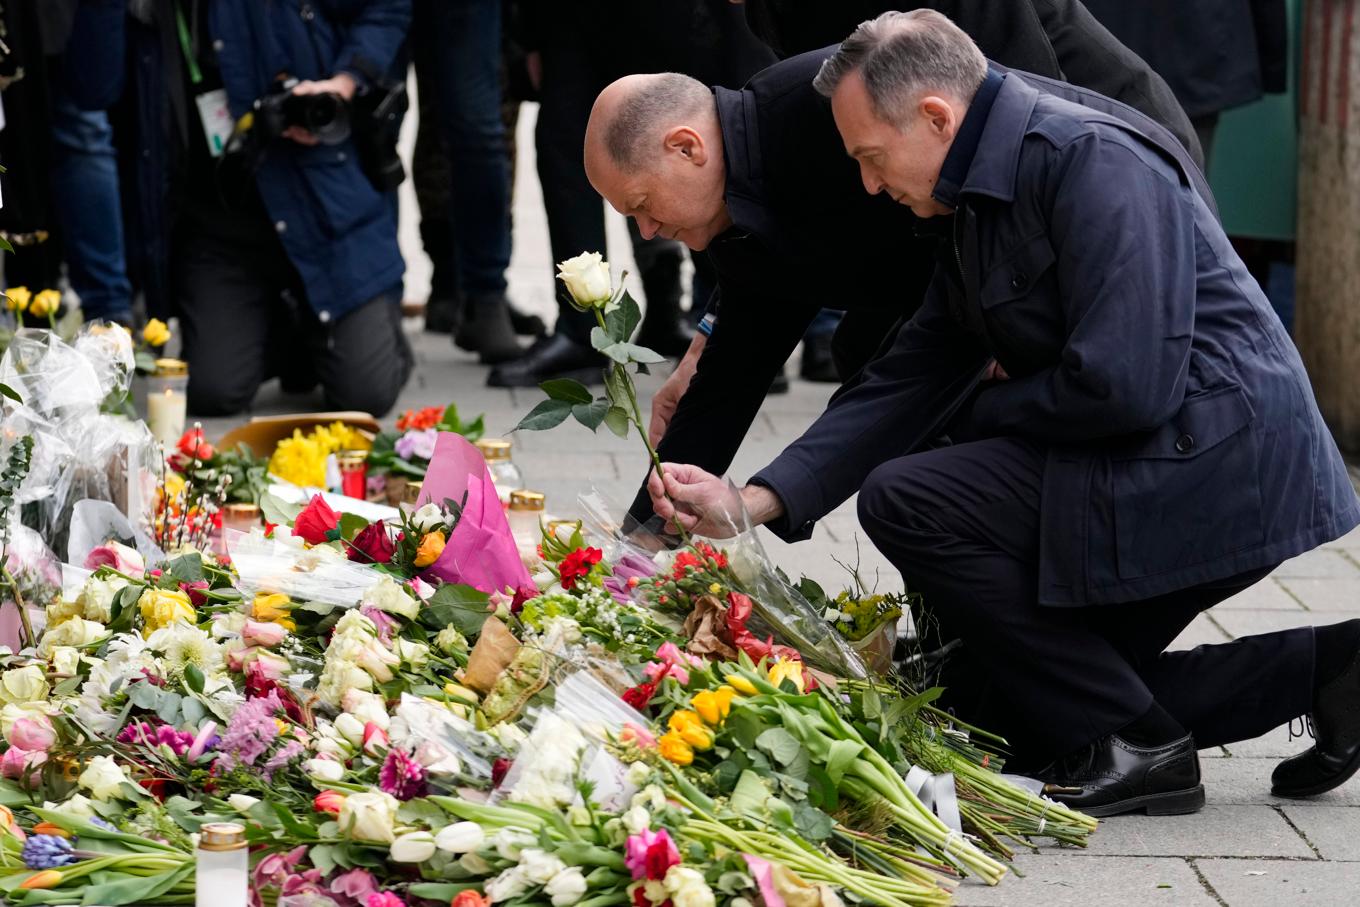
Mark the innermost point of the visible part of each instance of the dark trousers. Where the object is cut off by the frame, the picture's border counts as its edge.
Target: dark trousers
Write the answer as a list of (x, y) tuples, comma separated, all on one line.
[(962, 525), (245, 319)]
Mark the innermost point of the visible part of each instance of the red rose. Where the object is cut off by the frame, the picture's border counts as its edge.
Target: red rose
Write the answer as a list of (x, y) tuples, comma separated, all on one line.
[(639, 696), (195, 592), (577, 565), (315, 521), (372, 544)]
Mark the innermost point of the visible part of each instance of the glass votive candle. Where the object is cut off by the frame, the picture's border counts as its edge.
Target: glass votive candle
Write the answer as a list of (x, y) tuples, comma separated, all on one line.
[(167, 401), (353, 473)]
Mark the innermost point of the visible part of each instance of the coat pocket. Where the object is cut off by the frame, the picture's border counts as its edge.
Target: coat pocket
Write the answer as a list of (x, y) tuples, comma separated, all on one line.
[(1189, 492), (1022, 270)]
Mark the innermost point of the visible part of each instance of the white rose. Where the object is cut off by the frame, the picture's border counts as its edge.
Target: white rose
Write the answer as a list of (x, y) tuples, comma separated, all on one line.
[(637, 820), (567, 887), (324, 770), (509, 884), (65, 659), (242, 802), (366, 707), (460, 837), (350, 728), (103, 777), (414, 654), (26, 684), (412, 847), (369, 816), (77, 806), (229, 624), (651, 797), (74, 632), (638, 773), (388, 595), (449, 640), (687, 888), (96, 597), (587, 279), (540, 866), (428, 517)]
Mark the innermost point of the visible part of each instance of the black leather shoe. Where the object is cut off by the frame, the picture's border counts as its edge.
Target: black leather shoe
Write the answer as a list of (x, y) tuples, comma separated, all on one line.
[(780, 384), (1114, 776), (442, 314), (1335, 757), (557, 356), (527, 325), (818, 364), (486, 329)]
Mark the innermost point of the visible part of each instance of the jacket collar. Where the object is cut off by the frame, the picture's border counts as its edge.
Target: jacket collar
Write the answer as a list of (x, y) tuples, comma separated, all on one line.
[(744, 192), (996, 135)]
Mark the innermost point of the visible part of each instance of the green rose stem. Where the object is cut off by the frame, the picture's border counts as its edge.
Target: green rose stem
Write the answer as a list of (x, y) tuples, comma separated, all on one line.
[(642, 432), (13, 584)]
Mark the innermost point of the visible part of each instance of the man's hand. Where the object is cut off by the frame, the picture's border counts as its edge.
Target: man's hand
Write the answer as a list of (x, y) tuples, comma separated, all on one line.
[(342, 84), (707, 505), (667, 397), (995, 372)]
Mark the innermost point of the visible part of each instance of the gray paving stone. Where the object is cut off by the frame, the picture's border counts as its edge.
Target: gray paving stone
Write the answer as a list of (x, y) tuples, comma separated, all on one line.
[(1251, 883), (1074, 879), (1275, 745), (1246, 781), (1229, 831), (1333, 830), (1331, 594), (1267, 595), (1202, 631), (1321, 562), (1247, 623)]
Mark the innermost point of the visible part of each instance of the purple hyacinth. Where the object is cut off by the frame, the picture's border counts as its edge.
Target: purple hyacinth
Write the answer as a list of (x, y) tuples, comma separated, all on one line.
[(47, 852), (100, 823)]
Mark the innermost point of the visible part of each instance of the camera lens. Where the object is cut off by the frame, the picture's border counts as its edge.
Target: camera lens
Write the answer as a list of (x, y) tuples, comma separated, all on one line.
[(325, 116)]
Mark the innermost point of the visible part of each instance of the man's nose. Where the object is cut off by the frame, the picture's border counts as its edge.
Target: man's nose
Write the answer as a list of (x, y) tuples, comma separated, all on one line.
[(647, 226), (872, 184)]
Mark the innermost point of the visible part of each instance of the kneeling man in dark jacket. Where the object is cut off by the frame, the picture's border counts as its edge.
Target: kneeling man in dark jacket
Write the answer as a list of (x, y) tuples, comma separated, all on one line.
[(1136, 438)]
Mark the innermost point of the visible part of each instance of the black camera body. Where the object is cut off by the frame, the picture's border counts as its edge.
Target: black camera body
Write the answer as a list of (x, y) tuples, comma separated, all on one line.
[(325, 116)]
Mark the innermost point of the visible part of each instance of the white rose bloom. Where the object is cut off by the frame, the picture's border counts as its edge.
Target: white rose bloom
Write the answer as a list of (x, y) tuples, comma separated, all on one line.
[(103, 777), (366, 707), (428, 517), (338, 678), (242, 802), (460, 837), (350, 728), (687, 888), (506, 886), (74, 632), (637, 820), (540, 866), (96, 597), (354, 622), (587, 279), (651, 797), (449, 640), (229, 624), (638, 773), (65, 659), (567, 887), (414, 654), (388, 595), (26, 684), (412, 847), (579, 815), (369, 816), (77, 806), (324, 770)]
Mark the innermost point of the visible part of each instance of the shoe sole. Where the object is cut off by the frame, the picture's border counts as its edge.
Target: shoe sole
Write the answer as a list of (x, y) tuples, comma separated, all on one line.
[(587, 376), (1174, 803), (1331, 784)]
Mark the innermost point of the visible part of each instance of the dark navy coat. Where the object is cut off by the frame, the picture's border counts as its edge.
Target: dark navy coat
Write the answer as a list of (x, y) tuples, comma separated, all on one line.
[(1185, 445)]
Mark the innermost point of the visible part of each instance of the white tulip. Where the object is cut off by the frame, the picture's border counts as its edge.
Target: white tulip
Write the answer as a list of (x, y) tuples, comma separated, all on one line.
[(587, 279), (509, 884), (412, 847), (567, 887), (539, 866), (511, 841), (242, 802), (474, 864), (460, 837), (350, 727), (326, 770), (366, 707)]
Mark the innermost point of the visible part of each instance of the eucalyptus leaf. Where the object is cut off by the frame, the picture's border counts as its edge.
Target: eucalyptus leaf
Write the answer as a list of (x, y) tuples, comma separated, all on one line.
[(547, 414), (618, 352), (641, 354), (813, 824), (600, 340)]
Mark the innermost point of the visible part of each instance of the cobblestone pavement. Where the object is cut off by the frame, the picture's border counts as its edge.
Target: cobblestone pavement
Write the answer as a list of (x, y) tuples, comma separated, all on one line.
[(1244, 848)]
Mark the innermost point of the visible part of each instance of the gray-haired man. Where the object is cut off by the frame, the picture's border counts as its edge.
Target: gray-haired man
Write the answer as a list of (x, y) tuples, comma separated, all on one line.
[(1152, 447)]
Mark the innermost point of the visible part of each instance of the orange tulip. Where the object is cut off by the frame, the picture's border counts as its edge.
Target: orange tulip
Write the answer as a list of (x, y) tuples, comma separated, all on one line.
[(48, 878), (47, 828)]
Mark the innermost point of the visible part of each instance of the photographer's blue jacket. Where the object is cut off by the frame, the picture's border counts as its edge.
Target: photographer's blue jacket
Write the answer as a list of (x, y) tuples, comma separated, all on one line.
[(340, 232)]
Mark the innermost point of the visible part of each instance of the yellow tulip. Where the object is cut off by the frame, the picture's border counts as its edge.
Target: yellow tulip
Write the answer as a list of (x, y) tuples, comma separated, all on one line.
[(431, 546), (17, 298), (742, 684), (787, 669), (45, 303), (690, 727), (156, 333), (273, 608), (713, 705), (48, 878), (675, 749)]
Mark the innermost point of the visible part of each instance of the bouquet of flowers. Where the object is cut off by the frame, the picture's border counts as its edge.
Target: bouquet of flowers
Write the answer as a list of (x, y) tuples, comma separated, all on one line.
[(407, 451)]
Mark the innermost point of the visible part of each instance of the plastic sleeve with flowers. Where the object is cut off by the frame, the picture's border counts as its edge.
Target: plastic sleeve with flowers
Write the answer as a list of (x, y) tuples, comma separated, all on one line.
[(320, 574)]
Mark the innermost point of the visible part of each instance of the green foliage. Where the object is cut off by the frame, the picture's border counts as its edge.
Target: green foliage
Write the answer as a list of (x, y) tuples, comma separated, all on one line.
[(455, 605), (11, 477)]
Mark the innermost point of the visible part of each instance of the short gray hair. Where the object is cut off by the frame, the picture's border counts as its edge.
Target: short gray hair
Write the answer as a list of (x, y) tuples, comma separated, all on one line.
[(900, 55), (664, 100)]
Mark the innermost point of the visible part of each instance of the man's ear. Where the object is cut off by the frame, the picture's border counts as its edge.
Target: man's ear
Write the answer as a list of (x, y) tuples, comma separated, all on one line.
[(688, 143), (941, 116)]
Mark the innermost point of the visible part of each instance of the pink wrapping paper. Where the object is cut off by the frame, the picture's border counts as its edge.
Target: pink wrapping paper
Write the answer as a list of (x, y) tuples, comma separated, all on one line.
[(481, 551)]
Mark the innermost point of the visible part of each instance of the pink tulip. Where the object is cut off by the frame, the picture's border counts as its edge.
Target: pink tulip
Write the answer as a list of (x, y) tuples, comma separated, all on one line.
[(34, 733), (260, 633), (20, 765), (375, 739), (201, 739)]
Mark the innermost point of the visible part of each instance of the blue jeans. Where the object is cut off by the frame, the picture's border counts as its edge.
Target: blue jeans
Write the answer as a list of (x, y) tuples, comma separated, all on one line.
[(467, 61), (88, 207)]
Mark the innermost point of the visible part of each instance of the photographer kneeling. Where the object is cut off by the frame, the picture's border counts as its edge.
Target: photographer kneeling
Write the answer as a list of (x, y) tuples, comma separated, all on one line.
[(285, 245)]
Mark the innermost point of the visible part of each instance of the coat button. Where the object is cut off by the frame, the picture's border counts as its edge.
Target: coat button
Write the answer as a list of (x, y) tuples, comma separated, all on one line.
[(280, 226), (324, 317), (1185, 443), (1019, 281)]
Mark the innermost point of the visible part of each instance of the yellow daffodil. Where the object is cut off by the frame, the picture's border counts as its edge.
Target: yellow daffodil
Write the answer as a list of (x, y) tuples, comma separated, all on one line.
[(787, 669), (690, 727), (431, 546), (17, 299), (742, 685), (713, 705), (162, 607), (45, 303), (156, 333), (674, 749), (273, 607)]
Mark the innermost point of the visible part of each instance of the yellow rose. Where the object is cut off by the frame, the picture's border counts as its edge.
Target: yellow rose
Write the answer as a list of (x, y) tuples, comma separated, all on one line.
[(162, 607), (61, 610), (273, 607), (742, 684), (21, 685), (16, 299), (156, 333), (675, 749), (431, 546), (45, 303), (787, 669), (690, 727), (713, 705)]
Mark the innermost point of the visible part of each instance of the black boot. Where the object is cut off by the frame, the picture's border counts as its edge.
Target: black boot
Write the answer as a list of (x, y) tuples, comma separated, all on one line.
[(486, 329), (527, 325), (442, 314), (818, 364), (1335, 757), (557, 356), (1113, 776)]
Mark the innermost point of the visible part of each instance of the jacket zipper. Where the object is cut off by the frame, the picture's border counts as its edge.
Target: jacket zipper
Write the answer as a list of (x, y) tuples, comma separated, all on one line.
[(958, 253)]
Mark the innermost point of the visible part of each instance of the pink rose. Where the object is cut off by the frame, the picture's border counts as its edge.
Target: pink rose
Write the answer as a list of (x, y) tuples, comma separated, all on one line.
[(238, 658), (21, 765), (266, 666), (120, 557), (260, 633), (375, 739), (34, 733)]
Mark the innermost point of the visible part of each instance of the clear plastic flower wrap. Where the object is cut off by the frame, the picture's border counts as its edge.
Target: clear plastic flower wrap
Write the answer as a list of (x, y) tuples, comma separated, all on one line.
[(446, 743), (37, 573), (320, 574)]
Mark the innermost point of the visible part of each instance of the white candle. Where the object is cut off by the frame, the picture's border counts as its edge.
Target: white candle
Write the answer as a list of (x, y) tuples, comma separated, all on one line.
[(165, 414)]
